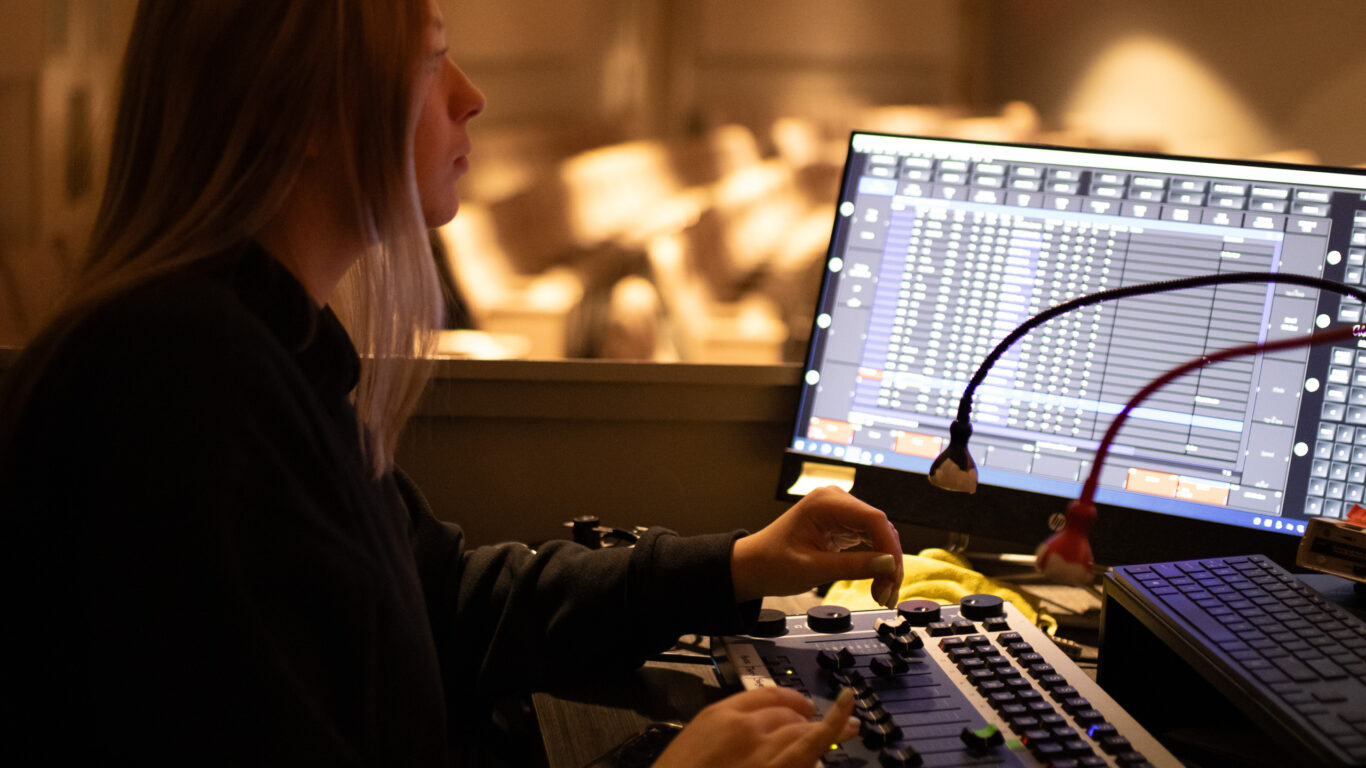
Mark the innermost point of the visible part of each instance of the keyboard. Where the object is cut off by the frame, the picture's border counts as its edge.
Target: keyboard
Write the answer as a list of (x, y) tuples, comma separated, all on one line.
[(1292, 663), (973, 684)]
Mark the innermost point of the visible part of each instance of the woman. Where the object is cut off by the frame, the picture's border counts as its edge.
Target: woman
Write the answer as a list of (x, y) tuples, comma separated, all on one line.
[(210, 556)]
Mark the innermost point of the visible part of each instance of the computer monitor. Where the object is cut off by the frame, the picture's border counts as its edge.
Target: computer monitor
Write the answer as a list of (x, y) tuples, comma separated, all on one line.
[(941, 247)]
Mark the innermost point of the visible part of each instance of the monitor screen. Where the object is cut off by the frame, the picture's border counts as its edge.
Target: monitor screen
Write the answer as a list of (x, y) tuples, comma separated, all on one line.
[(941, 247)]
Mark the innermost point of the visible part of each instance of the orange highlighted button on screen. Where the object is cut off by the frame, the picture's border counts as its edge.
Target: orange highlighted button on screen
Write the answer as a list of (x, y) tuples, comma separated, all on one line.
[(913, 444), (1156, 483), (1191, 489), (830, 430)]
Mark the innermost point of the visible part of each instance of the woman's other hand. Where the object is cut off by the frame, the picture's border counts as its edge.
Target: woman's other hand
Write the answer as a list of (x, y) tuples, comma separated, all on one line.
[(769, 727)]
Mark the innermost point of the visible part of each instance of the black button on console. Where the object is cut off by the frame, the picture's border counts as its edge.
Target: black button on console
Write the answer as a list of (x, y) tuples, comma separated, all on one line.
[(996, 624)]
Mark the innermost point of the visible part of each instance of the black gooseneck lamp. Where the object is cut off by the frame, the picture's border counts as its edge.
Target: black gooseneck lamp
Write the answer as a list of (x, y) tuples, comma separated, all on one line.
[(1066, 556)]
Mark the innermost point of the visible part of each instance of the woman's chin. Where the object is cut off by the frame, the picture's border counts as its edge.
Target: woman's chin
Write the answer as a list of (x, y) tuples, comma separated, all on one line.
[(439, 216)]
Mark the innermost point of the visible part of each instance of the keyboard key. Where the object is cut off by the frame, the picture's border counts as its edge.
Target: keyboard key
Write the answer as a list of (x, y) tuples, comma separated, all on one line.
[(1168, 570), (1310, 709), (1269, 675), (1351, 740), (1331, 725), (1295, 669), (1329, 696), (1197, 616)]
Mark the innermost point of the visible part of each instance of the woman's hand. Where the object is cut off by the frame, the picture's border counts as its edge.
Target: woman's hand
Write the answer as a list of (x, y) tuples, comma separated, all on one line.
[(803, 548), (766, 727)]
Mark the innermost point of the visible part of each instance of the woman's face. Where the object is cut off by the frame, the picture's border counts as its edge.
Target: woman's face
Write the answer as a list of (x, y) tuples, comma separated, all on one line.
[(441, 145)]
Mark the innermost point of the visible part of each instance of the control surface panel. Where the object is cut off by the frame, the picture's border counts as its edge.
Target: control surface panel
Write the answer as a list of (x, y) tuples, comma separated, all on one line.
[(972, 684)]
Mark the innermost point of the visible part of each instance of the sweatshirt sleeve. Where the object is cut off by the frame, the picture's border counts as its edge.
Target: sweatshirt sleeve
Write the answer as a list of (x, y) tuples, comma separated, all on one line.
[(506, 618)]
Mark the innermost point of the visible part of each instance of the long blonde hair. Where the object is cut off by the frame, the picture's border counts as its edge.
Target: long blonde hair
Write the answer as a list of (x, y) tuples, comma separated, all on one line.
[(218, 100)]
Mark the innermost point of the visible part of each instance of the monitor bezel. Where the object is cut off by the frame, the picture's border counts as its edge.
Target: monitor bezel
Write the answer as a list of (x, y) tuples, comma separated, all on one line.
[(1119, 536)]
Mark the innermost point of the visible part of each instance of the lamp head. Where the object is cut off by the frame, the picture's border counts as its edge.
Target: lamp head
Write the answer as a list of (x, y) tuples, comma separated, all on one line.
[(955, 470), (1066, 556)]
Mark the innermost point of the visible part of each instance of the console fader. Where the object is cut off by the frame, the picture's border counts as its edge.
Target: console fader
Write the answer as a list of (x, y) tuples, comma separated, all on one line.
[(972, 684)]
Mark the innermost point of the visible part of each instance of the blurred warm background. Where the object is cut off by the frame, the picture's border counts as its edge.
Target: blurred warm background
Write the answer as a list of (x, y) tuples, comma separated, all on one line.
[(654, 179)]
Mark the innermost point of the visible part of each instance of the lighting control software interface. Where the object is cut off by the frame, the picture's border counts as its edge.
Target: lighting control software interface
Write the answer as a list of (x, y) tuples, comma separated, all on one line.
[(941, 248)]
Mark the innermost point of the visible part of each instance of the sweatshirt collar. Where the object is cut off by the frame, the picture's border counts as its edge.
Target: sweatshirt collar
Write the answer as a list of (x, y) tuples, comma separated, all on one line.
[(313, 335)]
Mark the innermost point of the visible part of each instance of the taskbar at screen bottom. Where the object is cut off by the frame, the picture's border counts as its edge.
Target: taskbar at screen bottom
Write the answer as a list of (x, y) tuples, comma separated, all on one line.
[(1063, 489)]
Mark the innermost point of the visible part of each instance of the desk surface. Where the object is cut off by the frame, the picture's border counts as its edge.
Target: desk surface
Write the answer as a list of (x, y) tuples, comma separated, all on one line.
[(578, 726)]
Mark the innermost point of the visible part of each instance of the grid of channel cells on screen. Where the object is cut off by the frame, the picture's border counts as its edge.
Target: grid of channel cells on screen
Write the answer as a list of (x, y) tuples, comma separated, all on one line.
[(941, 248)]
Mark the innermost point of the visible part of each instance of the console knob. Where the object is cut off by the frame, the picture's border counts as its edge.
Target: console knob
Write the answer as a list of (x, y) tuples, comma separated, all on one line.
[(979, 607), (828, 618), (919, 612), (772, 623), (900, 757), (584, 529)]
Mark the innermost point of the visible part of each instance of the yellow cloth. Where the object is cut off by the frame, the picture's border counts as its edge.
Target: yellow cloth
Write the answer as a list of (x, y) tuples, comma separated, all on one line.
[(944, 577)]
